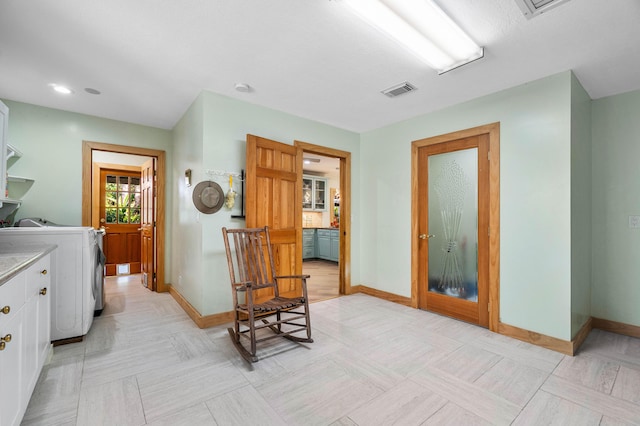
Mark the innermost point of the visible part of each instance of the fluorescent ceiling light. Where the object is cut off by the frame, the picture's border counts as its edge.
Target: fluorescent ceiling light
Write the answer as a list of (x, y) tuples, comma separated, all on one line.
[(421, 27)]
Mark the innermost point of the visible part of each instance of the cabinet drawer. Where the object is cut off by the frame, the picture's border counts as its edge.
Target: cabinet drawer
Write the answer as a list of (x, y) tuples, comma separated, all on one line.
[(12, 295), (324, 233), (308, 232), (38, 277)]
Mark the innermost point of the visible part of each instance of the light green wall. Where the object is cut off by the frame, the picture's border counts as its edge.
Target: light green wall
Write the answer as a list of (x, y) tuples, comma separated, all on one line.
[(581, 187), (225, 124), (186, 228), (51, 143), (616, 174), (535, 179)]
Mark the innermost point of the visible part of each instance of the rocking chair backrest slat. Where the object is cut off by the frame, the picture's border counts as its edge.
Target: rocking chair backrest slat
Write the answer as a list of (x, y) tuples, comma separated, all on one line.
[(250, 246)]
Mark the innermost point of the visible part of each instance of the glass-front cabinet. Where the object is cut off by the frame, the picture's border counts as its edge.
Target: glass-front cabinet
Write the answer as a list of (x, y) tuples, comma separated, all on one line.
[(314, 193)]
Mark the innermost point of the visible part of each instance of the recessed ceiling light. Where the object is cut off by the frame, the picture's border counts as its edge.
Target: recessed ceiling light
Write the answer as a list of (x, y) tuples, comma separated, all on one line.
[(243, 87), (61, 89), (92, 91)]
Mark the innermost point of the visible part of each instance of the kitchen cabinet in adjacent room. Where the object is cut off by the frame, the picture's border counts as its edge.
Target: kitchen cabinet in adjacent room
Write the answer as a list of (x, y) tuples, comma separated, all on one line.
[(314, 193)]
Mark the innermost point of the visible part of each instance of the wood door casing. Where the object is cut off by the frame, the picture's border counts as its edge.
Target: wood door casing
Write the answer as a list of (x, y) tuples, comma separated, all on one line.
[(147, 224), (492, 200), (121, 242), (344, 264), (91, 195), (273, 198)]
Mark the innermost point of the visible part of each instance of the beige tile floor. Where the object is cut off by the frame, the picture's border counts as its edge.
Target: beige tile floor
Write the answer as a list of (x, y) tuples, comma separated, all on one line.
[(372, 363)]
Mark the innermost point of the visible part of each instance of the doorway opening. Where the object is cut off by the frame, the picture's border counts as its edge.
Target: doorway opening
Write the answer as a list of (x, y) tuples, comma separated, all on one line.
[(153, 248), (326, 199)]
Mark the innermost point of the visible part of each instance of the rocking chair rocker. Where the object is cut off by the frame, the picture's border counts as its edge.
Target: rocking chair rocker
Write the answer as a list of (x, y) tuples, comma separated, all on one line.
[(284, 316)]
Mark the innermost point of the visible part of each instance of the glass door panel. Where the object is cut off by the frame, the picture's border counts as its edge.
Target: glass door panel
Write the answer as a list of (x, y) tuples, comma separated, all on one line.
[(453, 224)]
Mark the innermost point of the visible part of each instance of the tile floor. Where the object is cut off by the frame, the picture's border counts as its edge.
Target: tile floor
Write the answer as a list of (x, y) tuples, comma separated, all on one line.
[(373, 362)]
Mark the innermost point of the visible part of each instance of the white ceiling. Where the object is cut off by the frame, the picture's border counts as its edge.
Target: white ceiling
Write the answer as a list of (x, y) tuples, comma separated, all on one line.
[(312, 58)]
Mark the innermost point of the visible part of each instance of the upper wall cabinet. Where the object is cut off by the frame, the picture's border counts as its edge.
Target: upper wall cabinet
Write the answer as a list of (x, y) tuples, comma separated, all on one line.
[(4, 121), (12, 188), (314, 193)]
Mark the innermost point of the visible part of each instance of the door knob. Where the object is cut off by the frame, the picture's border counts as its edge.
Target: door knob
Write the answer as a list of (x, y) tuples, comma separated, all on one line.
[(425, 236), (43, 291), (6, 310)]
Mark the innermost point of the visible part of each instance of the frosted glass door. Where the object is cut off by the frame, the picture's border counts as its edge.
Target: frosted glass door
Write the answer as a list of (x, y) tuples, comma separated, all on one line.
[(453, 224)]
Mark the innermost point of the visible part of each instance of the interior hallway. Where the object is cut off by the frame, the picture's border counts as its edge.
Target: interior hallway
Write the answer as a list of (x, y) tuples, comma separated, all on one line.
[(373, 362)]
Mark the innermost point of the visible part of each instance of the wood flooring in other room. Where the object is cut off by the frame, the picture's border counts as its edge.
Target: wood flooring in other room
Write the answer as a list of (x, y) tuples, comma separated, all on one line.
[(324, 281), (373, 362)]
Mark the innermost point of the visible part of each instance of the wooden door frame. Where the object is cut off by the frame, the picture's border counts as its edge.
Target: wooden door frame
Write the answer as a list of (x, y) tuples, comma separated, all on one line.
[(344, 263), (493, 130), (87, 190)]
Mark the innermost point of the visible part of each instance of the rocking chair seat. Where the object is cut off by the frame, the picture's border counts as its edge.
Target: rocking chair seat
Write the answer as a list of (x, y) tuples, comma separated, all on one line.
[(275, 304)]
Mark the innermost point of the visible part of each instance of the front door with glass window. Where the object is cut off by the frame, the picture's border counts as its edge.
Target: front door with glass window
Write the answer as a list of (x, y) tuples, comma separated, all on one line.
[(120, 217)]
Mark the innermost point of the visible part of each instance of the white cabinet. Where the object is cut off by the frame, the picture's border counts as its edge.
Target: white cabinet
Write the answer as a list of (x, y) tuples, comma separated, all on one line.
[(12, 300), (24, 338), (12, 188), (4, 122)]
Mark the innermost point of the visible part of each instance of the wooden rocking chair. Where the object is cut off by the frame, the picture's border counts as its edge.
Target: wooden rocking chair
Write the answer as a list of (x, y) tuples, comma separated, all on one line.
[(250, 272)]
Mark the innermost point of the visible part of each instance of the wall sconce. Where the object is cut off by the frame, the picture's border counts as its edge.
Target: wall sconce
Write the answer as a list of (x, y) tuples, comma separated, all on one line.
[(187, 177)]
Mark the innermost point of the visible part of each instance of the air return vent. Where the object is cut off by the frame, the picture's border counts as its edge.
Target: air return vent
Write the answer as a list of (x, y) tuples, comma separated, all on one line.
[(399, 89), (531, 8)]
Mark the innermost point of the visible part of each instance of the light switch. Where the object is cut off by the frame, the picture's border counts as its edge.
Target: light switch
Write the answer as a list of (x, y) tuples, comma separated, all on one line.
[(634, 221)]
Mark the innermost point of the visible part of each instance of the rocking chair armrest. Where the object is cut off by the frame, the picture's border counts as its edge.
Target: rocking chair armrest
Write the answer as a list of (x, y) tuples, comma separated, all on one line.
[(293, 276), (244, 285)]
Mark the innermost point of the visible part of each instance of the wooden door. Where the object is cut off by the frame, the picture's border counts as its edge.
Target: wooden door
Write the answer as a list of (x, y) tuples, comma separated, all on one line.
[(453, 228), (273, 198), (147, 224), (120, 217)]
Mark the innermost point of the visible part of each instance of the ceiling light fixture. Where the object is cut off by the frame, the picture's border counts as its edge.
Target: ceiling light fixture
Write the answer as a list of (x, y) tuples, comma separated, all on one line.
[(61, 89), (422, 28)]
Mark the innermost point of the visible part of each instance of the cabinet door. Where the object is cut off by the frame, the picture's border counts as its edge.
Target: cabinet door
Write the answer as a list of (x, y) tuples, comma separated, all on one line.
[(335, 246), (307, 193), (42, 275), (11, 406), (324, 247), (4, 121), (320, 194)]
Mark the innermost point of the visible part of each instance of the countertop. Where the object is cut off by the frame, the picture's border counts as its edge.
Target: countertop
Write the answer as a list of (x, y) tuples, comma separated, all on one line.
[(320, 227), (14, 257)]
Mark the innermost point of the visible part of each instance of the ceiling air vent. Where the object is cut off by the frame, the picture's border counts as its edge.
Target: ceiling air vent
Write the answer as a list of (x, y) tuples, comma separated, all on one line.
[(531, 8), (399, 89)]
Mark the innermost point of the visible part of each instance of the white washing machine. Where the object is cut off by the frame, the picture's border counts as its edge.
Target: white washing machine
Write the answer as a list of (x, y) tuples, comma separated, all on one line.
[(73, 278)]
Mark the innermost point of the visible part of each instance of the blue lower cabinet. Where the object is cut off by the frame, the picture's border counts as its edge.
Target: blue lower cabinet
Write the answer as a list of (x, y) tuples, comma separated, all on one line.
[(324, 244), (308, 243), (321, 244), (334, 253)]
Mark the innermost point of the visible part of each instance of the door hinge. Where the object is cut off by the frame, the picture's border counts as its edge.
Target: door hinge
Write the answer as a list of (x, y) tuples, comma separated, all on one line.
[(154, 276), (488, 231), (488, 155), (488, 306), (154, 223)]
